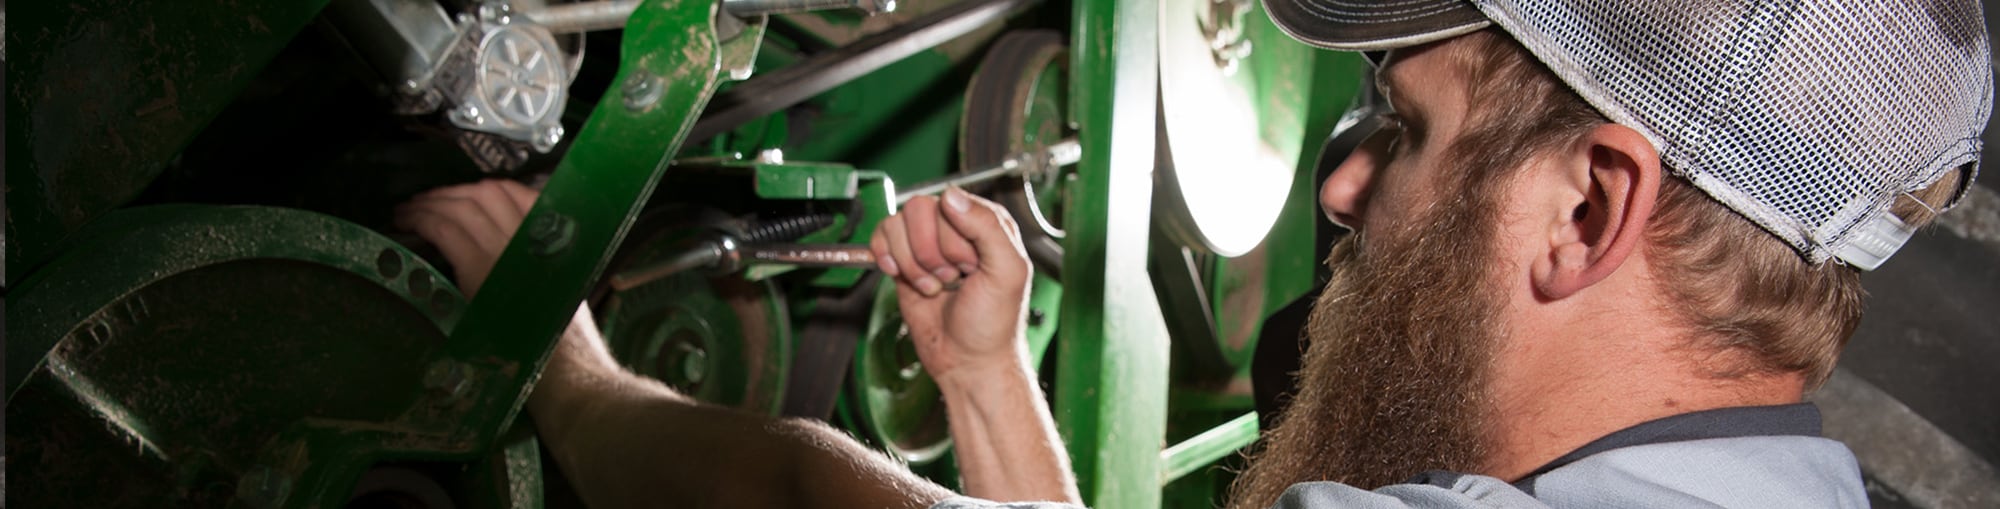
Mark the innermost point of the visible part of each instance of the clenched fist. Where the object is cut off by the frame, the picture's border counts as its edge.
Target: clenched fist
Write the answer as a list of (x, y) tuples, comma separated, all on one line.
[(961, 279)]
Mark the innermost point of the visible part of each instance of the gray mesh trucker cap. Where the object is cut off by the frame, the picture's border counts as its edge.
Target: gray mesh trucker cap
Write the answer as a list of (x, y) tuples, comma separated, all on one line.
[(1811, 118)]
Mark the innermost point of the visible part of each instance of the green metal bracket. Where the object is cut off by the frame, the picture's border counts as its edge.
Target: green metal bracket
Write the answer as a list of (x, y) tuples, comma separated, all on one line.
[(669, 70), (1111, 384), (1206, 448), (809, 181), (877, 196)]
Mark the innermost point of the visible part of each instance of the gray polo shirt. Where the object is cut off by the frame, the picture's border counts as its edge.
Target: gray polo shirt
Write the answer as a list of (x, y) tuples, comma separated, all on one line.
[(1732, 457)]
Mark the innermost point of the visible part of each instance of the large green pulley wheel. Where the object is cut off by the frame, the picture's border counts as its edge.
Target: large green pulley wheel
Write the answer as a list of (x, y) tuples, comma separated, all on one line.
[(899, 406), (1016, 105), (154, 360), (723, 340)]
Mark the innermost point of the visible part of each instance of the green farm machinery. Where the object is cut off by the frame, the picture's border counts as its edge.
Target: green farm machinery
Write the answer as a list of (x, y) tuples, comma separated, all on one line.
[(207, 304)]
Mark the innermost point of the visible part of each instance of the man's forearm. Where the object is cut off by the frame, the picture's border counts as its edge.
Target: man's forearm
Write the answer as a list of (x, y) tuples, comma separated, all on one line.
[(1004, 438), (627, 441)]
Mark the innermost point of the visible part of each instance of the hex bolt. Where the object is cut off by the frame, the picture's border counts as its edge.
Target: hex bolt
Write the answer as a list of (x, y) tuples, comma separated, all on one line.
[(467, 114), (549, 137), (449, 378), (642, 89), (495, 12), (694, 364), (551, 233)]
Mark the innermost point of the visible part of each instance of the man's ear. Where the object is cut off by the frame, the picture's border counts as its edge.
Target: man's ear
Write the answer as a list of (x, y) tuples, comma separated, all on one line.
[(1611, 178)]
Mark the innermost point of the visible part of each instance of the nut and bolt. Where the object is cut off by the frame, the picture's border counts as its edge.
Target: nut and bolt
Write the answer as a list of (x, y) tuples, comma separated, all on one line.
[(694, 363), (551, 233), (449, 378), (548, 138), (642, 89), (495, 12), (467, 114)]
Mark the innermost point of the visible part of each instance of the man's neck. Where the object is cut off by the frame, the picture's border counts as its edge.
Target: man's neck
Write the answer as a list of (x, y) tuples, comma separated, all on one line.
[(1557, 388)]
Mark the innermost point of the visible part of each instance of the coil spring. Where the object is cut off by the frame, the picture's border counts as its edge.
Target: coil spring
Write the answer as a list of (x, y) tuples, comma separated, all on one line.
[(788, 229)]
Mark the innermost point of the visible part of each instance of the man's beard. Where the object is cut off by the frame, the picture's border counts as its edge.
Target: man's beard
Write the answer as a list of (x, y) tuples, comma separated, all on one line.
[(1393, 383)]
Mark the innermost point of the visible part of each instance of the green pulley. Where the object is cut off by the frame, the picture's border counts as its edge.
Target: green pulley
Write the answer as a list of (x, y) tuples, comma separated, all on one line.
[(721, 339)]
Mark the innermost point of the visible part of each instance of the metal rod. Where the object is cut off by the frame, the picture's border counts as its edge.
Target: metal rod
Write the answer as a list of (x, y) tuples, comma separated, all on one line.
[(584, 16), (1202, 450), (811, 255), (725, 254), (768, 93), (706, 254), (1063, 153), (611, 14), (747, 8)]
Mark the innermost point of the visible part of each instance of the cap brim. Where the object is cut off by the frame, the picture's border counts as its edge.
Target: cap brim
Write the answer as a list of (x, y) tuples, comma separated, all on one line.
[(1374, 26)]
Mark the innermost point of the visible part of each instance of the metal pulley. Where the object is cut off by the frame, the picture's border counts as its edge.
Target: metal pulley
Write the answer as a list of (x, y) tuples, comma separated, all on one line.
[(1220, 186), (172, 347), (895, 401), (716, 337), (900, 406), (1017, 104)]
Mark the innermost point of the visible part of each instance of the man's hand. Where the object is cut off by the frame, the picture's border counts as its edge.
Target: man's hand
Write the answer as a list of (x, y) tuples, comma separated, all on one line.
[(469, 223), (961, 278), (962, 281)]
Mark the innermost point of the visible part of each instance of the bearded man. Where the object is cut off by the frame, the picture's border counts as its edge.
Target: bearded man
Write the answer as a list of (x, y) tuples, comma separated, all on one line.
[(1601, 252)]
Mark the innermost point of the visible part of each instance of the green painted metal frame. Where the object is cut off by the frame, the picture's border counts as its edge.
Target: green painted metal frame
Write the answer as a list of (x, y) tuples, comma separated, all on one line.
[(1111, 381), (1204, 449), (1114, 351), (669, 71)]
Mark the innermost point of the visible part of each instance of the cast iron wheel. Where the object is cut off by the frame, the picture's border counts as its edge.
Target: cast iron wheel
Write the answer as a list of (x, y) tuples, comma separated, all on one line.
[(170, 347), (724, 340)]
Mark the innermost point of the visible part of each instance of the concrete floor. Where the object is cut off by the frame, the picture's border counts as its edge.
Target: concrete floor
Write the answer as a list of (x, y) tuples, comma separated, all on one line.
[(1917, 395)]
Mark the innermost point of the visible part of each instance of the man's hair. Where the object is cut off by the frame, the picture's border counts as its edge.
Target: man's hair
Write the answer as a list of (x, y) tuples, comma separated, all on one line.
[(1740, 289)]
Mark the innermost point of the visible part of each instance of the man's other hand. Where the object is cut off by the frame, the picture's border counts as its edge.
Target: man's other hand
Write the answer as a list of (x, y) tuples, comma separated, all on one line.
[(470, 223), (961, 278)]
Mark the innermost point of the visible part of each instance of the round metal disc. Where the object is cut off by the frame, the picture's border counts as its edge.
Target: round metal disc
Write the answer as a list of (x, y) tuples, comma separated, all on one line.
[(900, 404), (723, 340), (1222, 186)]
